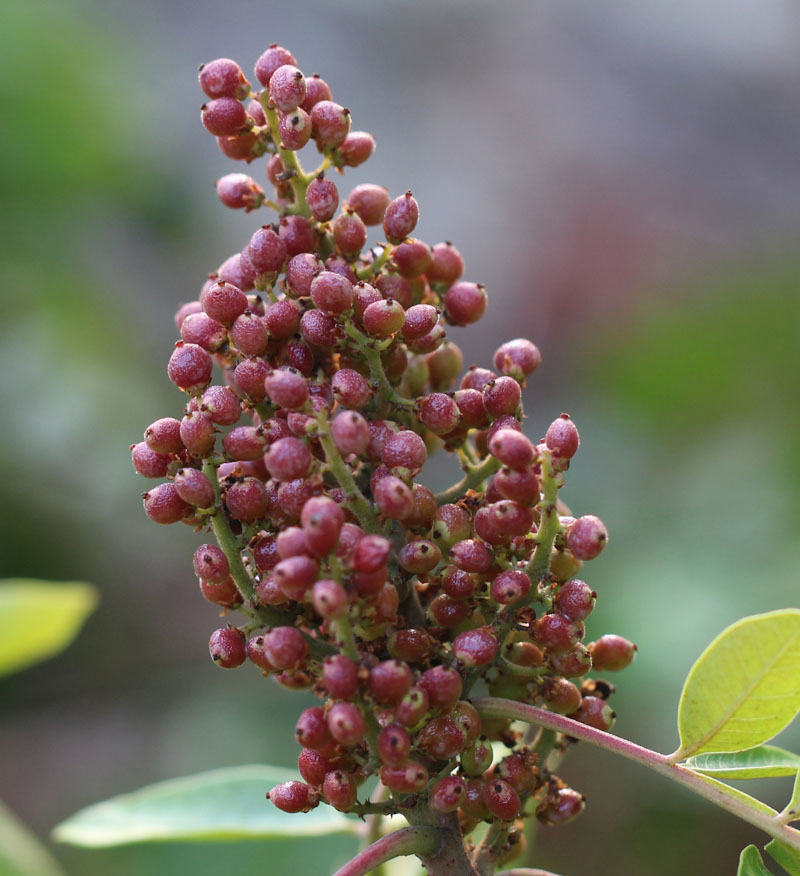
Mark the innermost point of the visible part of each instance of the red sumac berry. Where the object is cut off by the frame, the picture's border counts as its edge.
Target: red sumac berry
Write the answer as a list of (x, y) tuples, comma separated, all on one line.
[(147, 462), (317, 89), (227, 648), (443, 686), (322, 198), (293, 797), (247, 500), (562, 807), (274, 57), (510, 587), (223, 78), (285, 647), (394, 745), (502, 800), (400, 218), (350, 433), (223, 116), (442, 738), (288, 459), (331, 123), (190, 367), (390, 681), (313, 767), (163, 504), (411, 776), (340, 676), (356, 148), (370, 202), (447, 265), (194, 487), (346, 723), (586, 537), (517, 358), (475, 647), (311, 729), (164, 436), (611, 653), (287, 87), (223, 302), (340, 790)]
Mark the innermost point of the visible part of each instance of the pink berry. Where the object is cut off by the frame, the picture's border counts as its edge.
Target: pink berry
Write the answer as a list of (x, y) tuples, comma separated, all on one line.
[(224, 116), (190, 367), (587, 537), (476, 647), (227, 648), (287, 88), (370, 202), (356, 148), (331, 123), (223, 78), (400, 218), (274, 57)]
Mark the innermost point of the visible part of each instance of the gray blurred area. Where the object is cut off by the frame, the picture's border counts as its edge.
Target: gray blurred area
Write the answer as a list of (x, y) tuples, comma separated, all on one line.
[(624, 178)]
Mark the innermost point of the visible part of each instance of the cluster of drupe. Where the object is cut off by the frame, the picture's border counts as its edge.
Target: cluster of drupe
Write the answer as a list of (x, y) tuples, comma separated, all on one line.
[(353, 579)]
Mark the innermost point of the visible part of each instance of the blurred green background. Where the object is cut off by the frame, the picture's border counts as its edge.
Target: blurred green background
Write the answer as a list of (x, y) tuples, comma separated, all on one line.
[(627, 184)]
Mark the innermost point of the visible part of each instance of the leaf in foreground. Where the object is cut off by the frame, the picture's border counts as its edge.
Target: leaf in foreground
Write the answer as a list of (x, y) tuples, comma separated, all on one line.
[(751, 863), (21, 853), (39, 619), (784, 855), (222, 804), (745, 687)]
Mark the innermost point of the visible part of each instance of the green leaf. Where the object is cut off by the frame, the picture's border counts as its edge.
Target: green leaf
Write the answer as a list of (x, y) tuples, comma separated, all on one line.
[(21, 853), (766, 761), (221, 804), (744, 688), (39, 619), (784, 855), (751, 864)]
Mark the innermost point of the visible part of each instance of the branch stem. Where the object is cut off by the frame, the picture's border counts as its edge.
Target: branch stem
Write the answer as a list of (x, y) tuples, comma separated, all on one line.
[(300, 179), (376, 264), (474, 476), (526, 871), (407, 841), (549, 524), (353, 497), (267, 615), (736, 802)]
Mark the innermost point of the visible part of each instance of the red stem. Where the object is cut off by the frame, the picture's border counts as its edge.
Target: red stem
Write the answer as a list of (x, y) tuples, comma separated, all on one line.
[(408, 841)]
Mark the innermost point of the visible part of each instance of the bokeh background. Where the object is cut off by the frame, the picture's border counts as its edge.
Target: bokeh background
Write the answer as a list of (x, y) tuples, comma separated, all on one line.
[(625, 178)]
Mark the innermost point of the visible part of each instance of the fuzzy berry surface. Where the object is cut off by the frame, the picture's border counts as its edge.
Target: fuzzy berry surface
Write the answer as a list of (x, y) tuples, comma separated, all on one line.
[(320, 370)]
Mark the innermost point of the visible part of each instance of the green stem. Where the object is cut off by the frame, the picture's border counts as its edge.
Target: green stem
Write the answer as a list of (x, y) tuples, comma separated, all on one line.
[(376, 372), (375, 265), (267, 615), (736, 802), (475, 476), (299, 179), (353, 497), (549, 525), (230, 547), (539, 565), (347, 639)]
